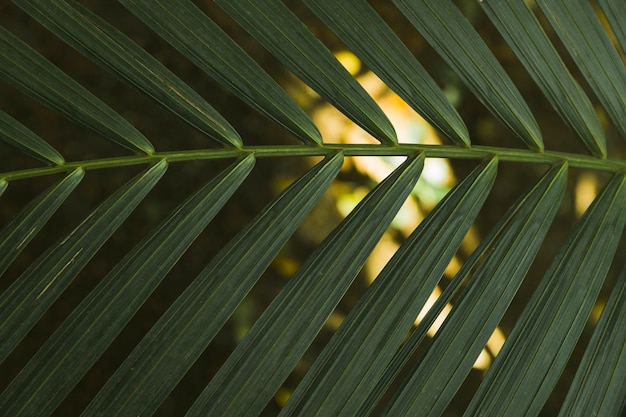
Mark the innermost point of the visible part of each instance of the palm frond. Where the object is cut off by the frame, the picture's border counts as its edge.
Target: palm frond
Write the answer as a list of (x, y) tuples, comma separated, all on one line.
[(541, 341), (28, 298), (27, 70), (338, 381), (112, 50), (17, 233), (516, 22), (381, 50), (20, 137), (481, 306), (377, 361), (91, 327), (468, 55), (596, 387), (195, 318), (205, 44), (590, 47), (303, 306)]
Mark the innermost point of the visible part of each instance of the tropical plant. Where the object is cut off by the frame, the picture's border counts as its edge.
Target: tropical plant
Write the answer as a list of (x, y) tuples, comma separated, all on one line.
[(370, 364)]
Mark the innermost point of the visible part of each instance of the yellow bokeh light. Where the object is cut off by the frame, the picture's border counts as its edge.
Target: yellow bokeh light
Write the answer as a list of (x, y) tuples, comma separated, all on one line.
[(586, 191), (349, 61)]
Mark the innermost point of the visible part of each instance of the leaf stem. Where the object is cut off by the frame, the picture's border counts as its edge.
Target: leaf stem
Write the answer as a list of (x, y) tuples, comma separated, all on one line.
[(430, 151)]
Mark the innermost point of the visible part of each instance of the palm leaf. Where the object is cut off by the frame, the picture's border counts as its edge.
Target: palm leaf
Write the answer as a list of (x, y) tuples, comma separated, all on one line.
[(306, 57), (386, 313), (264, 358), (195, 318), (291, 361), (17, 233), (88, 331), (541, 339), (595, 389), (612, 9), (28, 298), (531, 45), (27, 70), (18, 136), (464, 51), (104, 44), (203, 42), (382, 51), (474, 317), (580, 31)]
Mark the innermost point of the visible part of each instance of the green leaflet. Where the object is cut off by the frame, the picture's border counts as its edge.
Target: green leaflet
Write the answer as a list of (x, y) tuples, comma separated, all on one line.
[(184, 331), (368, 36), (519, 26), (351, 363), (266, 355), (27, 70), (599, 387), (203, 42), (16, 234), (614, 10), (514, 221), (289, 40), (80, 340), (546, 333), (473, 318), (589, 46), (28, 298), (445, 28), (114, 51), (23, 139), (3, 186)]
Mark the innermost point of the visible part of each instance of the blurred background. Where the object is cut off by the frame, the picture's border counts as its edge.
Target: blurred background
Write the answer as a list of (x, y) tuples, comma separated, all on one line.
[(358, 176)]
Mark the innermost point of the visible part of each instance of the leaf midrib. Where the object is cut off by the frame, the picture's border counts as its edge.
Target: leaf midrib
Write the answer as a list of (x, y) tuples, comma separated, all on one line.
[(430, 151)]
